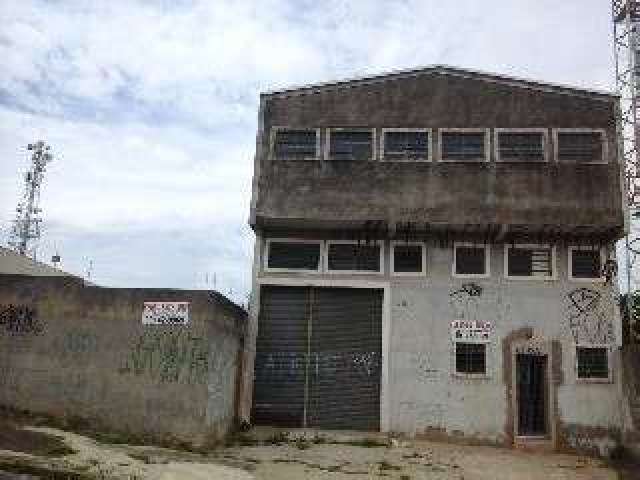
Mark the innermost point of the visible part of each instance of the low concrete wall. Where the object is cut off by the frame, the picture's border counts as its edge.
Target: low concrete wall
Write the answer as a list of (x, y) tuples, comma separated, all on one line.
[(71, 350)]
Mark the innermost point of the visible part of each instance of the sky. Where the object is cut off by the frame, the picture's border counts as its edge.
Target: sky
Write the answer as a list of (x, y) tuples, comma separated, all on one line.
[(150, 108)]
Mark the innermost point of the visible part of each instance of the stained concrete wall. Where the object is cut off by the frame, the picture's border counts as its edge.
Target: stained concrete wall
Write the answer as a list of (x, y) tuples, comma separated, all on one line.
[(70, 350), (315, 193), (423, 396)]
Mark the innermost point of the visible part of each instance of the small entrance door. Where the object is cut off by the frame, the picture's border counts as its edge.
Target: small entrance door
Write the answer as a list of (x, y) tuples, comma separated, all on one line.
[(531, 387)]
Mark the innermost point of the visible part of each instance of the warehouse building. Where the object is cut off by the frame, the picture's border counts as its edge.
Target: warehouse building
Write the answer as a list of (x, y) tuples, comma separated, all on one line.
[(435, 256)]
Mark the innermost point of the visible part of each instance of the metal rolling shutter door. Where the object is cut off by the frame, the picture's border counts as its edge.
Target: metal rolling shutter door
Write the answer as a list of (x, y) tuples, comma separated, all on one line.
[(281, 348), (346, 358)]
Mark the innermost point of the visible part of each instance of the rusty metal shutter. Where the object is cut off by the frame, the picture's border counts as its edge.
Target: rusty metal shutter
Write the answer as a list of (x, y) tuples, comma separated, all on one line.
[(346, 359), (341, 331), (281, 348)]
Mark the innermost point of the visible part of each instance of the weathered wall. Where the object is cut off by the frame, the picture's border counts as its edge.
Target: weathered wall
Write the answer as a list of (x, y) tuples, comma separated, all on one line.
[(425, 397), (71, 350), (285, 192)]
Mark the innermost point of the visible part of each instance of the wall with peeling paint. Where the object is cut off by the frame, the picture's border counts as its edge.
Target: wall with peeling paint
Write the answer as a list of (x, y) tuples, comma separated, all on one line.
[(71, 350)]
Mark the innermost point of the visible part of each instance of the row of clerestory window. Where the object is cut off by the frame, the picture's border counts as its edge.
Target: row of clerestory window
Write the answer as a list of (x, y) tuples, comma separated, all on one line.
[(572, 145)]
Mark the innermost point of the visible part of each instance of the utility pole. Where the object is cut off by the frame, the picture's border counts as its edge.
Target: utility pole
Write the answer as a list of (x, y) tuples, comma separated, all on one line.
[(26, 226)]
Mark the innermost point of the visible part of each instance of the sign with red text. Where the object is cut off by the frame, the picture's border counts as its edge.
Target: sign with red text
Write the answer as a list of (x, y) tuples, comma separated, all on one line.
[(165, 313), (470, 331)]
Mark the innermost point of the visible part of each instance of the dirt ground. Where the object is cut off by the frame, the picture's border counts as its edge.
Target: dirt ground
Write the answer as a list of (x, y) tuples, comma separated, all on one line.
[(283, 459)]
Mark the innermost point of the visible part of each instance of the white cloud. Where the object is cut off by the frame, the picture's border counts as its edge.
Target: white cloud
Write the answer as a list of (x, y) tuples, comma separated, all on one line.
[(151, 108)]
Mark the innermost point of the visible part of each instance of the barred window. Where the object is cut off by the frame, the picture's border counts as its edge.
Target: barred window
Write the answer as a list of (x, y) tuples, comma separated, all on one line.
[(293, 255), (408, 258), (471, 358), (295, 144), (581, 147), (351, 145), (462, 146), (406, 145), (354, 257), (585, 263), (592, 362), (529, 261), (521, 147), (470, 260)]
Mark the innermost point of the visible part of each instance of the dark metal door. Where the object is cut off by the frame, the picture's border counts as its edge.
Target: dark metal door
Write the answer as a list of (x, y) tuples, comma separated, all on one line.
[(346, 359), (281, 352), (531, 388), (318, 358)]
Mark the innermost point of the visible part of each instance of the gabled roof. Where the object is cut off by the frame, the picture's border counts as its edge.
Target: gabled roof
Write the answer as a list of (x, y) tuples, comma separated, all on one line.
[(443, 70)]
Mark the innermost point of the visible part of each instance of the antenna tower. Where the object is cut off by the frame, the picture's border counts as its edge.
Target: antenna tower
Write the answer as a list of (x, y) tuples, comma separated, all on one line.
[(26, 228)]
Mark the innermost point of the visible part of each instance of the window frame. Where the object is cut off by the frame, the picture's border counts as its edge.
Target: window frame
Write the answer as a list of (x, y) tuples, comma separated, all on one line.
[(554, 263), (608, 379), (556, 145), (603, 259), (545, 144), (328, 244), (468, 375), (280, 128), (487, 260), (428, 131), (327, 142), (265, 261), (487, 144), (423, 248)]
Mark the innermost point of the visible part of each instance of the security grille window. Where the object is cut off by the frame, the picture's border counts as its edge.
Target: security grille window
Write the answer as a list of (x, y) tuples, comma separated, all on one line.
[(293, 255), (471, 358), (529, 262), (462, 146), (470, 260), (350, 145), (295, 144), (585, 263), (521, 147), (593, 362), (581, 147), (407, 258), (353, 257), (406, 145)]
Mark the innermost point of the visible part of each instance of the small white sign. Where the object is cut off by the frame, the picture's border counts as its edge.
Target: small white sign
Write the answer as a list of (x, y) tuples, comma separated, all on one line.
[(165, 313), (470, 331)]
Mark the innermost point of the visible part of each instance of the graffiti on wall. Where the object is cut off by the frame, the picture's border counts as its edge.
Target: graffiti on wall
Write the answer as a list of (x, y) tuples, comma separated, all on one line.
[(176, 356), (587, 318), (20, 320), (464, 302), (291, 364), (165, 313)]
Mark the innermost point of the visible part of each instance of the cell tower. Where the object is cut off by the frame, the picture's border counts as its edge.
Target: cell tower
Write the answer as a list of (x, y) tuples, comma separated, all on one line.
[(26, 226)]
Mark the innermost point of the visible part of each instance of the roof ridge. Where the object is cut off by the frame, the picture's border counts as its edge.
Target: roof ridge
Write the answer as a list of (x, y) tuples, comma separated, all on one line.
[(440, 69)]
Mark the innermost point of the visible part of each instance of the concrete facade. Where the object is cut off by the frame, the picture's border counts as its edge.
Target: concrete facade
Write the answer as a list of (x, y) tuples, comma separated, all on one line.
[(492, 203), (82, 352)]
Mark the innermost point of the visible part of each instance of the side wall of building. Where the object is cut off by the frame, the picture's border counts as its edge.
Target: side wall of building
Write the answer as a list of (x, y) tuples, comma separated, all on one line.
[(73, 351), (422, 394)]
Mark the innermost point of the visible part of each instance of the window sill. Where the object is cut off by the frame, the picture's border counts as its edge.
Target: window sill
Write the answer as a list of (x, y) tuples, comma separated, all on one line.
[(470, 376), (591, 381), (535, 279), (471, 275), (587, 280)]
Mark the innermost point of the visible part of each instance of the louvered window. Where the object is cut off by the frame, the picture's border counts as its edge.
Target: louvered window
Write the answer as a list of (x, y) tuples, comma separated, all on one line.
[(471, 358), (354, 257), (529, 262), (351, 145), (407, 145), (580, 147), (293, 144), (293, 255), (592, 362), (521, 147), (462, 146)]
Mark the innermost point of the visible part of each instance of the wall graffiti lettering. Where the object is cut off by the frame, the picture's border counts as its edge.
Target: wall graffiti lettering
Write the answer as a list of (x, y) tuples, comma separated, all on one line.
[(282, 365), (20, 320), (176, 356), (587, 318), (421, 367), (464, 302)]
